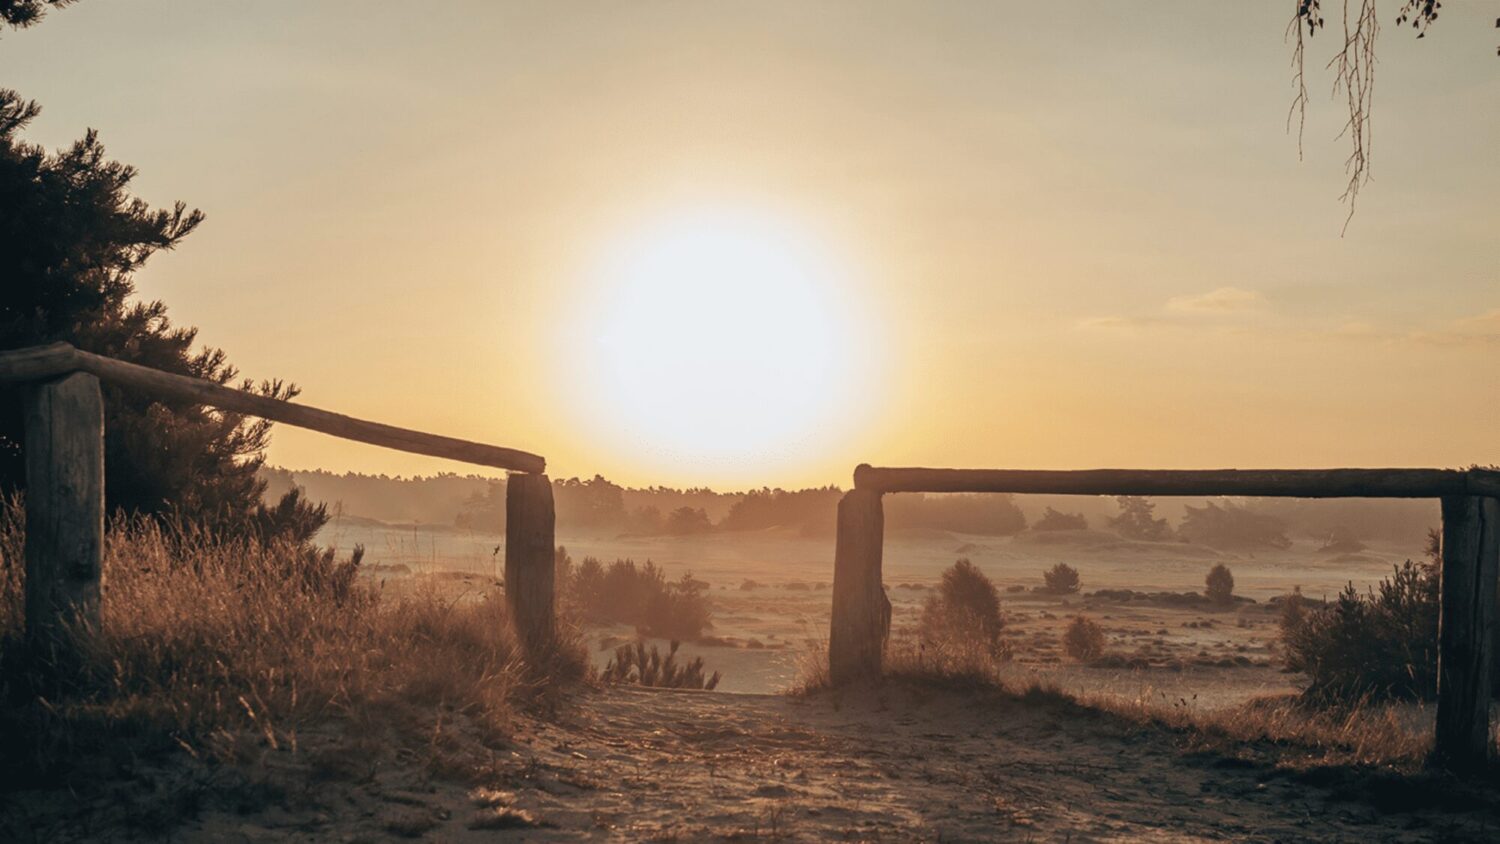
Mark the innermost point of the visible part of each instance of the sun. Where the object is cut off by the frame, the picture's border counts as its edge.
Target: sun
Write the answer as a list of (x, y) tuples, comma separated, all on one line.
[(715, 341)]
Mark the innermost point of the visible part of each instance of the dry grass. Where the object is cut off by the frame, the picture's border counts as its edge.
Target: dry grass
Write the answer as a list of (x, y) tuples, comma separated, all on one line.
[(1302, 734), (1366, 733), (206, 646)]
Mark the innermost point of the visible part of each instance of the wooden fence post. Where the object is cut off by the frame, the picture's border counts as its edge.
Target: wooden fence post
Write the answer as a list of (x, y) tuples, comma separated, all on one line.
[(1466, 631), (64, 431), (529, 568), (861, 611)]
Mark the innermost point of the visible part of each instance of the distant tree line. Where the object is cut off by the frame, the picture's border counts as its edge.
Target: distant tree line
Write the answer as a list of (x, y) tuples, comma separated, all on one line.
[(598, 504)]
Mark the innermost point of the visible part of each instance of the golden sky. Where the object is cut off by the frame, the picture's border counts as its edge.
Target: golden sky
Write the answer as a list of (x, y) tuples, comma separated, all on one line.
[(1046, 237)]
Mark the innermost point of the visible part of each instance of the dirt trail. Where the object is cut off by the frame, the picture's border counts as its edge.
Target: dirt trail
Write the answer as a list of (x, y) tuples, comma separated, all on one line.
[(891, 765)]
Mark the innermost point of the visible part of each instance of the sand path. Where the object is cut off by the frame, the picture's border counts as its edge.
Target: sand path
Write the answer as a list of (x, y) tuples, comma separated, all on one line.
[(892, 764)]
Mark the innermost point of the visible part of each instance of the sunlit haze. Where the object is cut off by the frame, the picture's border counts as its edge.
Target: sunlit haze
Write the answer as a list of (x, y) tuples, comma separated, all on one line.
[(726, 339), (755, 244)]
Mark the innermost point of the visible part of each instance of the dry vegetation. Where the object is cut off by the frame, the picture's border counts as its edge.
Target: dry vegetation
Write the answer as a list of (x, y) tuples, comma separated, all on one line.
[(1344, 719), (225, 650)]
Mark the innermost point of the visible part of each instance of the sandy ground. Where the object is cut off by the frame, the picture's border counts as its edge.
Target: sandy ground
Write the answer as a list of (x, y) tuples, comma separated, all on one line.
[(894, 764)]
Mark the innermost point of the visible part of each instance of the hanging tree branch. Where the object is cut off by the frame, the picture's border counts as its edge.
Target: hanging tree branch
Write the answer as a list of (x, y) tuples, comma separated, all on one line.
[(1354, 75)]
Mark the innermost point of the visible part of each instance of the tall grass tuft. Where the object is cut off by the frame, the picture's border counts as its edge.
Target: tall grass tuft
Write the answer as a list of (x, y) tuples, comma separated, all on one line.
[(202, 640), (635, 665)]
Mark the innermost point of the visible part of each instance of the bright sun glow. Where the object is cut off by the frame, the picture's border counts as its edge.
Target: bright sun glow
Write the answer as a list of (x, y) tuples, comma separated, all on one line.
[(716, 341)]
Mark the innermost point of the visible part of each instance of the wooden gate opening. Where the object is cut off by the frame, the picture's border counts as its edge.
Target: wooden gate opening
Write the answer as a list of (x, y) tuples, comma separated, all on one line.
[(1470, 561)]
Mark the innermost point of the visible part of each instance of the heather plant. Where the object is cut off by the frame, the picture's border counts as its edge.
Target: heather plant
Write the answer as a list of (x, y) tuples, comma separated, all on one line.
[(639, 666), (1061, 579), (965, 608), (1084, 639)]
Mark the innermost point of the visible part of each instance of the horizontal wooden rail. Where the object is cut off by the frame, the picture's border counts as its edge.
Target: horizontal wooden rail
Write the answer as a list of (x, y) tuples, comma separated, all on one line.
[(60, 358), (1289, 483)]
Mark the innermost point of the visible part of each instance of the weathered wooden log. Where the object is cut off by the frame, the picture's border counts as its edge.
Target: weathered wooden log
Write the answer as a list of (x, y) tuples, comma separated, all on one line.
[(1466, 631), (28, 364), (529, 561), (861, 611), (1294, 483), (64, 431)]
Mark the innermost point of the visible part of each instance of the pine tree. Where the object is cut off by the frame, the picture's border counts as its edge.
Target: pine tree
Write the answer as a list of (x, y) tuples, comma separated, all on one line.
[(71, 240)]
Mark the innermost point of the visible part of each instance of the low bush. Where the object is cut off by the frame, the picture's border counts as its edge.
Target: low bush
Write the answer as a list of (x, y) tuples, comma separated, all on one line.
[(1382, 644), (638, 666), (1084, 639), (641, 596), (964, 609), (1061, 579)]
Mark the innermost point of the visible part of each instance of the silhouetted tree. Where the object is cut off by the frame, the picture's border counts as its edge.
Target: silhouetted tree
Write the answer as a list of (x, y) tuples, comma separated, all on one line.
[(1137, 520), (1061, 579), (595, 503), (685, 521), (71, 240), (1057, 520), (1219, 584), (1232, 526)]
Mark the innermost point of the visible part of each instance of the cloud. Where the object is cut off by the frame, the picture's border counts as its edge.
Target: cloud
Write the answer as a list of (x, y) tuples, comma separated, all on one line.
[(1224, 300), (1184, 311), (1485, 323)]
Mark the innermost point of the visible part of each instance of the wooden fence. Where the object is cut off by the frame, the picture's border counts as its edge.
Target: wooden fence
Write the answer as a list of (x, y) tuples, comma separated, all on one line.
[(64, 451), (1470, 562)]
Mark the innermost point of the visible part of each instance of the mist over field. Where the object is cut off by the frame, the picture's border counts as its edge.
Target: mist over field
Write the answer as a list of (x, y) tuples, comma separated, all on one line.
[(764, 556)]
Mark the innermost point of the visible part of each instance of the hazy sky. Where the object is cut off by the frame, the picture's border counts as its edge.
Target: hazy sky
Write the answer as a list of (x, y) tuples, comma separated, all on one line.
[(1068, 236)]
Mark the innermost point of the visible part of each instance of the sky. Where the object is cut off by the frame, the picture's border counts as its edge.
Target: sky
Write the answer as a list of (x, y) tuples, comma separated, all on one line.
[(1027, 235)]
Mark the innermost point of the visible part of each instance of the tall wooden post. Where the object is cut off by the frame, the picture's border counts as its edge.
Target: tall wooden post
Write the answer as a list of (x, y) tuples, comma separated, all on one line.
[(861, 611), (64, 430), (1471, 564), (529, 569)]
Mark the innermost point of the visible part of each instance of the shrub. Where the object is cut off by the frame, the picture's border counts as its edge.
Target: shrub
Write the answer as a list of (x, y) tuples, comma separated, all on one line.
[(965, 608), (1382, 644), (635, 665), (640, 596), (1083, 640), (1061, 579), (1057, 520), (1219, 584)]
